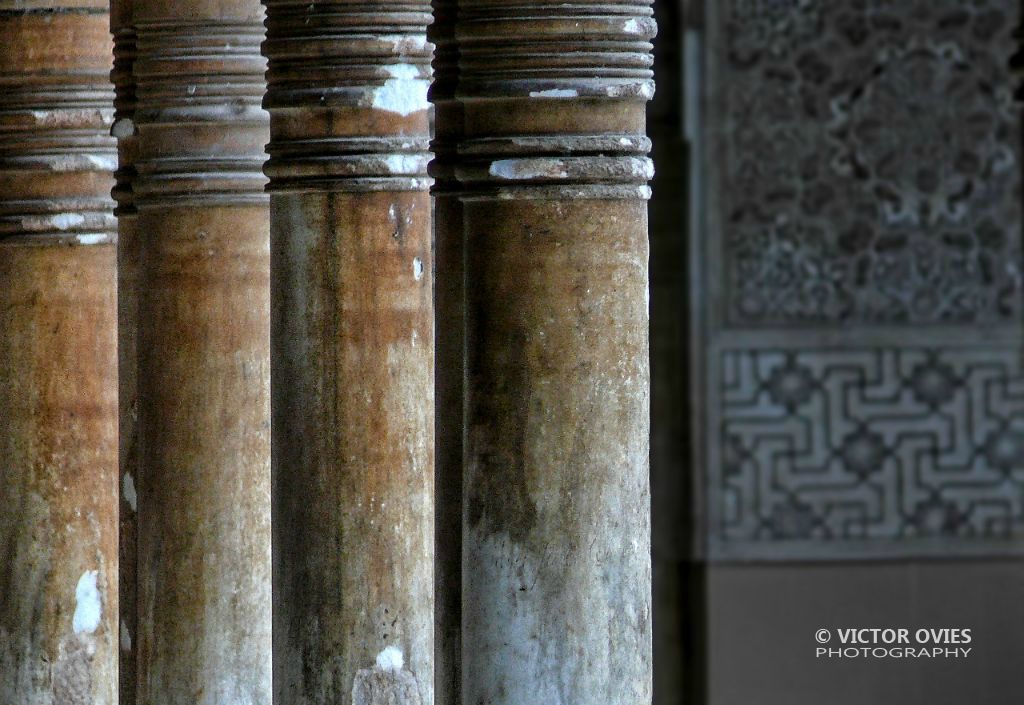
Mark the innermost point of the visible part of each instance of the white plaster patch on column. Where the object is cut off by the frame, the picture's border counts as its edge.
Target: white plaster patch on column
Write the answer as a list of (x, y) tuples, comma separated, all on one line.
[(126, 638), (88, 604), (405, 44), (390, 659), (71, 117), (555, 93), (417, 268), (405, 163), (102, 162), (525, 169), (123, 129), (82, 162), (66, 221), (128, 489), (404, 93), (93, 239)]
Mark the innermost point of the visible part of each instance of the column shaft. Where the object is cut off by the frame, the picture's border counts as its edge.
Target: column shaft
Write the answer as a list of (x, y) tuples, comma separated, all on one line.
[(127, 334), (556, 585), (352, 352), (58, 364), (450, 354), (203, 355)]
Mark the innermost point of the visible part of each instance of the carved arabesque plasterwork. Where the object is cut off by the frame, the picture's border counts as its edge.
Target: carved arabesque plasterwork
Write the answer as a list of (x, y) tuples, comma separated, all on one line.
[(861, 319), (869, 162)]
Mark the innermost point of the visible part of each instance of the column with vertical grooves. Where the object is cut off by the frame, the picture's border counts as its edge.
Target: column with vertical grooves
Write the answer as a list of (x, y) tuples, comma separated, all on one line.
[(449, 351), (203, 355), (556, 583), (58, 358), (127, 324), (352, 352)]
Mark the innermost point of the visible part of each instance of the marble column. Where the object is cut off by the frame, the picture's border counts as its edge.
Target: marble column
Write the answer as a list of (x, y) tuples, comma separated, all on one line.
[(352, 352), (556, 571), (449, 351), (58, 358), (204, 598), (127, 333)]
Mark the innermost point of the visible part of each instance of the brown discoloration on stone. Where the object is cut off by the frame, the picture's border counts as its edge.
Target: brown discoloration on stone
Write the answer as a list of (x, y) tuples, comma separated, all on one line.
[(556, 571), (58, 387), (557, 500), (353, 437), (203, 356), (204, 591), (58, 445), (353, 352)]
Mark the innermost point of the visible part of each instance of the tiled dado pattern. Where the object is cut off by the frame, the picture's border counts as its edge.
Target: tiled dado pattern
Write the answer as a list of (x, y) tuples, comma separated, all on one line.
[(871, 445), (864, 293)]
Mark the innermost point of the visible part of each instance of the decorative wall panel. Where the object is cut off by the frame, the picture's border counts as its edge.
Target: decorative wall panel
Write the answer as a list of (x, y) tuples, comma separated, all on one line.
[(858, 280)]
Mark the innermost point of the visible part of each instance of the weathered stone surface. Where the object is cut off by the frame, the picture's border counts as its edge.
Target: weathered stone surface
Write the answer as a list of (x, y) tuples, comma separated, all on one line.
[(128, 253), (203, 489), (556, 541), (58, 530), (449, 356), (352, 349), (58, 384)]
